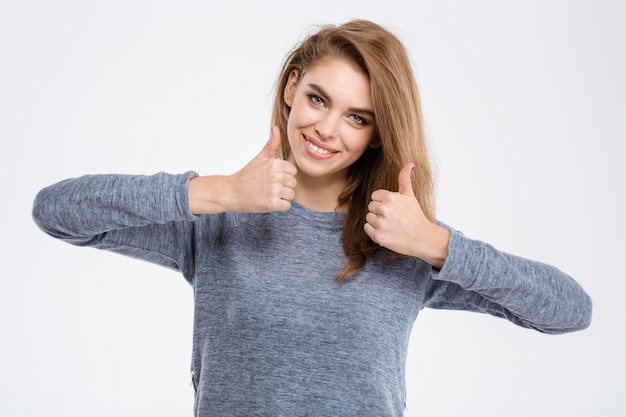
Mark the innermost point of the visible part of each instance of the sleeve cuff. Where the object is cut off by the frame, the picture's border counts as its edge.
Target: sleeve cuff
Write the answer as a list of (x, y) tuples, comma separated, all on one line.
[(463, 264)]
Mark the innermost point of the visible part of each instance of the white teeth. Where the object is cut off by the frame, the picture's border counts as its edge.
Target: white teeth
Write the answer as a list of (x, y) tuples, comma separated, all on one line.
[(319, 150)]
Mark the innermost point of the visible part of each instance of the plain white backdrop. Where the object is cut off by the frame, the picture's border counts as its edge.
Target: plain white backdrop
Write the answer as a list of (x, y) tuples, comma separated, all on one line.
[(525, 105)]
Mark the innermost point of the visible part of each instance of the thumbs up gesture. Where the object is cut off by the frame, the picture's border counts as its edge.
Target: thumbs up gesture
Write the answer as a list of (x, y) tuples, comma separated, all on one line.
[(396, 221), (265, 184)]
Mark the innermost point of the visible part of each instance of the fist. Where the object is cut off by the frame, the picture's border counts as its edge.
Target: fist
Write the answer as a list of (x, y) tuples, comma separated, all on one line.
[(396, 221), (266, 183)]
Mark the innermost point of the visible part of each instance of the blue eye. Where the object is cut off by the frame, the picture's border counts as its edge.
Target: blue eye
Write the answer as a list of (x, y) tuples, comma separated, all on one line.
[(316, 100), (358, 119)]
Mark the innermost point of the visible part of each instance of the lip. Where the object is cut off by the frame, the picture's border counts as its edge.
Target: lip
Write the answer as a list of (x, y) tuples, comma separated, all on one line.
[(309, 140)]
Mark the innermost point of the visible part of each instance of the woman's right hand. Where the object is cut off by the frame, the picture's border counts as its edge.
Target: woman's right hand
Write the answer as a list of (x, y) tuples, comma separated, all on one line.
[(265, 184)]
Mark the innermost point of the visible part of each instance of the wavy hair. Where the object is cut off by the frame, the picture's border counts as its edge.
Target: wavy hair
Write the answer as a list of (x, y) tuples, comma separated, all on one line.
[(398, 126)]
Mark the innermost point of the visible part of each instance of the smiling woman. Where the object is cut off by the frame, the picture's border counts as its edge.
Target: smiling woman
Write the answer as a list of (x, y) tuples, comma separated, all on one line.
[(331, 125), (310, 268), (393, 105)]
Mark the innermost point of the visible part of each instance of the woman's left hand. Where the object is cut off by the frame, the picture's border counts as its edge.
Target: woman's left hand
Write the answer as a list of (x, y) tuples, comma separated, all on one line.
[(396, 221)]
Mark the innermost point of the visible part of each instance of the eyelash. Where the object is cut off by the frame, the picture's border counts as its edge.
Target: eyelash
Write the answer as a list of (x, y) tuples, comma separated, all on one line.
[(358, 119), (318, 101)]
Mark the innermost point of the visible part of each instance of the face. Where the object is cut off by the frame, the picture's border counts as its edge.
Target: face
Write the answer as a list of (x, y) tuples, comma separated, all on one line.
[(331, 121)]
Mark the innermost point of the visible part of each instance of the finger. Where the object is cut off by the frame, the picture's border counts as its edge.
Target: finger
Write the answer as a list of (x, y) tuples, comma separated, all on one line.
[(370, 231), (371, 219), (287, 193), (374, 206), (289, 168), (379, 195), (404, 180), (270, 148), (283, 205), (290, 182)]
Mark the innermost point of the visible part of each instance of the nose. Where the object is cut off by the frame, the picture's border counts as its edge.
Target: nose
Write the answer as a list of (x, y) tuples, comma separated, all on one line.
[(328, 126)]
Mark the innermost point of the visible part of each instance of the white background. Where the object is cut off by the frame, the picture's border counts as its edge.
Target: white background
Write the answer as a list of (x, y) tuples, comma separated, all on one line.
[(525, 104)]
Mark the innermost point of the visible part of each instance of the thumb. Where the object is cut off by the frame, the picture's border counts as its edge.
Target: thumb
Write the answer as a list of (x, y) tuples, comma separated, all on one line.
[(404, 180), (270, 148)]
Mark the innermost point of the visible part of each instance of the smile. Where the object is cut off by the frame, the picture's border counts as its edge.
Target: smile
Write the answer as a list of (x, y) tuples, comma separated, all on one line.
[(317, 151)]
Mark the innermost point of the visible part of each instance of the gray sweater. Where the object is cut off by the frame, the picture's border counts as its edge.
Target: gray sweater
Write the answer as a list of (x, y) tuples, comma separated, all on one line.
[(274, 334)]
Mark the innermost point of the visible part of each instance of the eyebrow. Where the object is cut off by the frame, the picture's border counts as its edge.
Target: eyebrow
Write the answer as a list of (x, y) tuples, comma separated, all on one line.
[(326, 97)]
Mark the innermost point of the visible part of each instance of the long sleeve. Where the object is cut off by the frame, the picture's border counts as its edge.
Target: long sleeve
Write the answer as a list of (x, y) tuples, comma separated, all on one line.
[(145, 217), (531, 294)]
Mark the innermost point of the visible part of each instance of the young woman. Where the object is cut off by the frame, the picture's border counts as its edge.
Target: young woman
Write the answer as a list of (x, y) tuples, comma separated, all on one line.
[(311, 263)]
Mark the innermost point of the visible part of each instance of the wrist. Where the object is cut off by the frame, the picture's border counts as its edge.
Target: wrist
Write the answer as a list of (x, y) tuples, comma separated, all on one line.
[(208, 194), (435, 251)]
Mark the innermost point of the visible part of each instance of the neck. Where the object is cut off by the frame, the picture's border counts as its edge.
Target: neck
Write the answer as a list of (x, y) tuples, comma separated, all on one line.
[(319, 194)]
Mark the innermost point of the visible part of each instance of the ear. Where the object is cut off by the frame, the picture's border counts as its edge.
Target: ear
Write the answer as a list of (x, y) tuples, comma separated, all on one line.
[(290, 88)]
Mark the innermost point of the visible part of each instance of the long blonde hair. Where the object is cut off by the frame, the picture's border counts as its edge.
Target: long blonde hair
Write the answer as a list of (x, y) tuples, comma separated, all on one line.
[(399, 126)]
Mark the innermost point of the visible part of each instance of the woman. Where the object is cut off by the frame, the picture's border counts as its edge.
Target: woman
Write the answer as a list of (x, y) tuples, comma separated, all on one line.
[(310, 268)]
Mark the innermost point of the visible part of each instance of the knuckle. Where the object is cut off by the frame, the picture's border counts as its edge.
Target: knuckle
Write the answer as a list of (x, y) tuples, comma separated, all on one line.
[(377, 237)]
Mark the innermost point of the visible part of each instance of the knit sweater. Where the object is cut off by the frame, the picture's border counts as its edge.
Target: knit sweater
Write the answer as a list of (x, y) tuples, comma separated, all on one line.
[(274, 333)]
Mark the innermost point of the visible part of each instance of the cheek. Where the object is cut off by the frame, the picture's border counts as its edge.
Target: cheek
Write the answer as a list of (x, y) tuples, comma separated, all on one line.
[(361, 141), (293, 146), (295, 117), (356, 151), (290, 126)]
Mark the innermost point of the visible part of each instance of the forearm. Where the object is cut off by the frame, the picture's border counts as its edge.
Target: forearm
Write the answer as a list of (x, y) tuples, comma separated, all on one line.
[(211, 194), (145, 217), (91, 205), (538, 295)]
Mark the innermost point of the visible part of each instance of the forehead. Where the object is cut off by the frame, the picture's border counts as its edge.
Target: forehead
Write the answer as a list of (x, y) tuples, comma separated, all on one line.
[(341, 79)]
